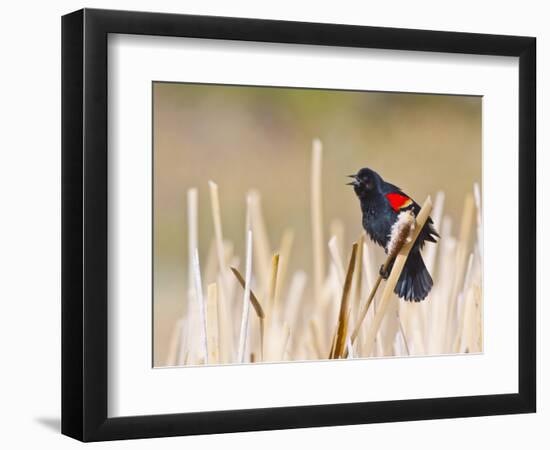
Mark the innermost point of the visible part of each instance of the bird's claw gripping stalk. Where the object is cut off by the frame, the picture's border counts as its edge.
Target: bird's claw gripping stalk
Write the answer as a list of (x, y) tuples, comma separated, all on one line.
[(384, 272)]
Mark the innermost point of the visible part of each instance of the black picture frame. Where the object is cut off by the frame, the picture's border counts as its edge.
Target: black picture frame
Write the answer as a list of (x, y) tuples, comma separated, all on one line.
[(84, 224)]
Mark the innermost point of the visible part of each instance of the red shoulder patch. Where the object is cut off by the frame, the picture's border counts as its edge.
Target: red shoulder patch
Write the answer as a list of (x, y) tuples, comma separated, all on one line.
[(398, 201)]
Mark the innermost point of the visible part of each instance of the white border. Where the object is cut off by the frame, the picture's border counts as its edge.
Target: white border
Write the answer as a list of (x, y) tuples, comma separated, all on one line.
[(135, 388)]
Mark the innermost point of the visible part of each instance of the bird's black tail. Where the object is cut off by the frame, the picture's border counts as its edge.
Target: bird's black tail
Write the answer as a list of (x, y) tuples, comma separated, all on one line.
[(415, 281)]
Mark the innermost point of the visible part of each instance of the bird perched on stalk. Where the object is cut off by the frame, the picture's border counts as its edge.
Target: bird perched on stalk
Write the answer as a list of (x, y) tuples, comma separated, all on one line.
[(381, 205)]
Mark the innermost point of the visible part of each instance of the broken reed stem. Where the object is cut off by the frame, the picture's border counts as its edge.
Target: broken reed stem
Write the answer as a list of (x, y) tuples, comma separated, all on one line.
[(316, 338), (217, 219), (430, 251), (175, 341), (477, 198), (286, 337), (403, 335), (344, 307), (210, 269), (257, 307), (317, 219), (349, 348), (359, 273), (253, 299), (445, 269), (192, 244), (365, 309), (212, 323), (461, 261), (185, 334), (333, 345), (294, 295), (370, 274), (463, 312), (192, 239), (200, 300), (284, 251), (271, 307), (246, 299), (262, 338), (398, 265), (262, 247)]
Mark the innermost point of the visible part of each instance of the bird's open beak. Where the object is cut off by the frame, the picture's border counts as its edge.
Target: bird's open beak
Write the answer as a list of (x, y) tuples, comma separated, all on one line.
[(354, 182)]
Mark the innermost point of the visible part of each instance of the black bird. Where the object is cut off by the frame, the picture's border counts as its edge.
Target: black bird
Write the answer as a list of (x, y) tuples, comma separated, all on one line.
[(381, 203)]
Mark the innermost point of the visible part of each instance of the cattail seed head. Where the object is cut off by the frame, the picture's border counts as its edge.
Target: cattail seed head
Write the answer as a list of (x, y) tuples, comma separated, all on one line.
[(401, 232)]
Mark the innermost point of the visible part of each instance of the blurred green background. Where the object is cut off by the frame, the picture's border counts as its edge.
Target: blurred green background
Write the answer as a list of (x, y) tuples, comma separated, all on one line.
[(260, 138)]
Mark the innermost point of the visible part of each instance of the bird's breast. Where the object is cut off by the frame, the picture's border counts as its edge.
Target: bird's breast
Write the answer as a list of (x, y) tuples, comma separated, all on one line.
[(377, 226)]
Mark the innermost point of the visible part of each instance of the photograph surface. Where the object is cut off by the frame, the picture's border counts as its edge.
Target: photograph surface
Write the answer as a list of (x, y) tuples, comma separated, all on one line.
[(296, 224)]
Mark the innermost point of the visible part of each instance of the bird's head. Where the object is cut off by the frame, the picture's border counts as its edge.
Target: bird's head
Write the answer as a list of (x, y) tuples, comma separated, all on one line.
[(364, 182)]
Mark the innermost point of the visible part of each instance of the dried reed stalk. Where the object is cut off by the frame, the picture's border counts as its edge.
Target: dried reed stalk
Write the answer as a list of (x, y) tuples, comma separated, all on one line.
[(217, 219), (257, 308), (175, 343), (211, 268), (403, 335), (200, 300), (437, 327), (192, 244), (336, 259), (246, 299), (430, 251), (358, 286), (317, 219), (467, 339), (262, 247), (366, 307), (398, 265), (295, 293), (186, 333), (316, 340), (461, 261), (343, 316), (212, 323), (477, 198), (337, 229), (286, 339), (192, 237), (272, 307), (462, 313), (370, 270), (333, 344), (267, 326), (479, 325), (226, 327), (253, 299), (285, 250)]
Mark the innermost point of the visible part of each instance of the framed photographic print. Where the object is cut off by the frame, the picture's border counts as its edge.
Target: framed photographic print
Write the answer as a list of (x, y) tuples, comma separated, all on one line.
[(273, 224)]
